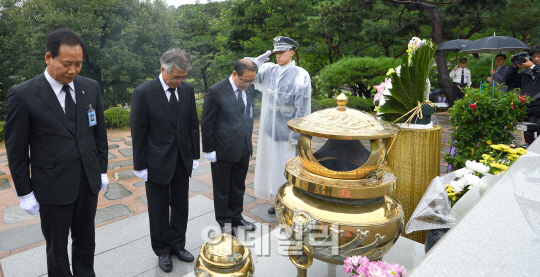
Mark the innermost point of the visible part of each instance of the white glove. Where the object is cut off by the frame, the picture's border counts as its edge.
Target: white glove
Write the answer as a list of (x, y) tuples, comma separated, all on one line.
[(104, 181), (143, 174), (263, 58), (211, 156), (195, 164), (30, 204)]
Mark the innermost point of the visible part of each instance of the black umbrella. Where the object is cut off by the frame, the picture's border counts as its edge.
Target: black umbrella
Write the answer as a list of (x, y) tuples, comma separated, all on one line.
[(495, 44), (453, 45)]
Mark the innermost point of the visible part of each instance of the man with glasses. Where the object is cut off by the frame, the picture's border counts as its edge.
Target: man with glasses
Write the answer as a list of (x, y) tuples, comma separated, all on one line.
[(498, 74), (528, 81), (165, 134), (286, 95), (226, 127)]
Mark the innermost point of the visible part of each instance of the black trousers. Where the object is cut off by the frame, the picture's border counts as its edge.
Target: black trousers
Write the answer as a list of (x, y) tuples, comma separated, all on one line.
[(57, 220), (168, 231), (229, 185), (456, 91)]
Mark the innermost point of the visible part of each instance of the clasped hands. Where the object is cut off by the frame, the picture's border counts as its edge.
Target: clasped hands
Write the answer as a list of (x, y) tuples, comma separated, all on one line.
[(143, 174)]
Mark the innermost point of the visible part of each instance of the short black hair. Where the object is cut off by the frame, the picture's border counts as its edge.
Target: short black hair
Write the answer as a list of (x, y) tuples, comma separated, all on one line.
[(245, 64), (535, 50), (501, 55), (62, 36)]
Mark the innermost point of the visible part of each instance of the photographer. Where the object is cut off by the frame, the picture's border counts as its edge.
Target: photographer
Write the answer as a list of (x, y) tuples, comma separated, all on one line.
[(527, 80)]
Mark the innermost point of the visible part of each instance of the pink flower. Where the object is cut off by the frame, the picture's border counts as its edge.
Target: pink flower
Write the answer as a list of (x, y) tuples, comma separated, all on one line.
[(380, 89), (363, 261), (395, 270), (347, 267), (376, 269), (522, 99)]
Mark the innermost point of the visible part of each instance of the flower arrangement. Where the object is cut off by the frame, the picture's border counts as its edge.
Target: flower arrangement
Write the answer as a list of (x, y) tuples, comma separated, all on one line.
[(360, 266), (481, 119), (408, 86), (493, 163)]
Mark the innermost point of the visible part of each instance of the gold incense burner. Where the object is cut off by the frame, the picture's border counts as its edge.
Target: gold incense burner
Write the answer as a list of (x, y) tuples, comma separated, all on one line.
[(224, 256), (337, 201)]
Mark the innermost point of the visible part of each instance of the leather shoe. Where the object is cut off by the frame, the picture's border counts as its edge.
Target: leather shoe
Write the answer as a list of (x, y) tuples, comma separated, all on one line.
[(183, 255), (165, 262), (272, 210), (245, 225), (227, 229)]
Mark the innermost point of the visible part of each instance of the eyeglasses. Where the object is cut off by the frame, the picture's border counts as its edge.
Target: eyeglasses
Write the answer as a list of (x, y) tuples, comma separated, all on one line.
[(179, 79), (246, 82)]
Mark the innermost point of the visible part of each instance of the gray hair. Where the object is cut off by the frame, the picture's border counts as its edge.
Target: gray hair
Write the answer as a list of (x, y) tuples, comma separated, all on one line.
[(245, 64), (177, 58)]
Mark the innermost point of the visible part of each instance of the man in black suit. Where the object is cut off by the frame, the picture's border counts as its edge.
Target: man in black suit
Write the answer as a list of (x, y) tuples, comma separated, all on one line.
[(165, 134), (68, 152), (226, 126)]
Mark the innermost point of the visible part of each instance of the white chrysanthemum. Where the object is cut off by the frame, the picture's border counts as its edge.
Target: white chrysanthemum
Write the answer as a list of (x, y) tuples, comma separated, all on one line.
[(458, 185), (478, 167), (462, 172), (471, 179)]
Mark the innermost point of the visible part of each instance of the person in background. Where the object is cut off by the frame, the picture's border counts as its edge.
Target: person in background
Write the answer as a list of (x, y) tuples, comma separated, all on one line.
[(499, 73), (227, 127), (461, 77), (50, 114), (166, 149), (286, 95), (441, 98), (528, 81)]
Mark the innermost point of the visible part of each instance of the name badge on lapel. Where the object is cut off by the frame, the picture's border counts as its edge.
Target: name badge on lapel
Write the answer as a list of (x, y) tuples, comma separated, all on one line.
[(91, 116), (251, 111)]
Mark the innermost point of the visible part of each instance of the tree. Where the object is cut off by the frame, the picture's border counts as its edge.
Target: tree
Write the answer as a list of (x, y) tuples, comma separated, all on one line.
[(359, 75), (124, 39)]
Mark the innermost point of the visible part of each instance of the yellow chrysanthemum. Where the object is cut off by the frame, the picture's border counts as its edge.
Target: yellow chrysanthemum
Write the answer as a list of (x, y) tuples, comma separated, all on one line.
[(510, 157), (503, 167), (486, 156), (489, 142), (511, 151), (504, 147), (451, 194), (496, 165), (521, 151), (496, 172), (496, 147)]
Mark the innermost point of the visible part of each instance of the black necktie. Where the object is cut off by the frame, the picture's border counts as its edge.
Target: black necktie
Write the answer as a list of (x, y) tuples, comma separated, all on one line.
[(462, 76), (173, 103), (241, 105), (70, 109)]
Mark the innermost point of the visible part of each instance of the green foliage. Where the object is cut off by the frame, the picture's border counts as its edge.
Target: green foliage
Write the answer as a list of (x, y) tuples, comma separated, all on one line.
[(199, 113), (355, 73), (355, 102), (315, 105), (117, 117), (1, 131), (257, 110), (492, 122), (411, 86), (361, 103)]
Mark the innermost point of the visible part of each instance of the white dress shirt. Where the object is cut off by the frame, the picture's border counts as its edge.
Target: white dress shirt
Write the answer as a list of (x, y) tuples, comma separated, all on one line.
[(166, 89), (57, 88), (235, 88), (456, 76)]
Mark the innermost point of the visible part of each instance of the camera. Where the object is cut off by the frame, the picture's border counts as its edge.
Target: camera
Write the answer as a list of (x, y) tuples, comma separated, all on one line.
[(520, 58)]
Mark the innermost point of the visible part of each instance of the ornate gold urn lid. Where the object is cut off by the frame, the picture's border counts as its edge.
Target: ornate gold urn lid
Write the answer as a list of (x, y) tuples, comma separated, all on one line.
[(224, 251), (344, 124)]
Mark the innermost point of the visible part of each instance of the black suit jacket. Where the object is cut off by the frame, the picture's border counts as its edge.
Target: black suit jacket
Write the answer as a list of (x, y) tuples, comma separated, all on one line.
[(157, 136), (35, 118), (223, 128)]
